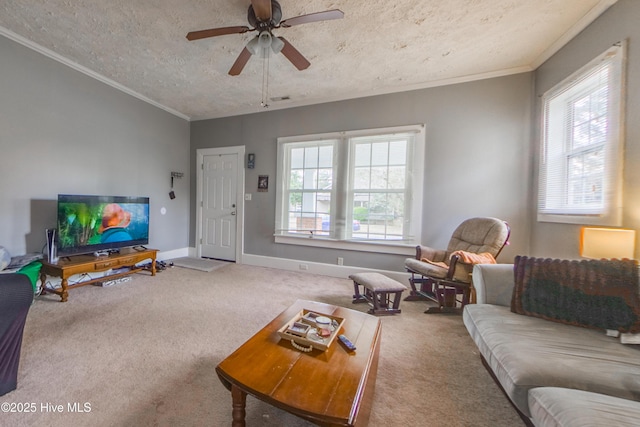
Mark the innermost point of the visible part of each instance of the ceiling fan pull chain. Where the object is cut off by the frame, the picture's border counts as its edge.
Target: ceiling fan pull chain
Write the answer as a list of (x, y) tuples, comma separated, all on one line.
[(265, 81)]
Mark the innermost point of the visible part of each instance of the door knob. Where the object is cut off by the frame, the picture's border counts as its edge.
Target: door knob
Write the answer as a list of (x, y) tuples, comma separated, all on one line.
[(233, 213)]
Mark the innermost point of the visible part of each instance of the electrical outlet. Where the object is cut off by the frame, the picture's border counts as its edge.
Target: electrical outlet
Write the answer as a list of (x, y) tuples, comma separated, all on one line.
[(303, 267), (340, 260)]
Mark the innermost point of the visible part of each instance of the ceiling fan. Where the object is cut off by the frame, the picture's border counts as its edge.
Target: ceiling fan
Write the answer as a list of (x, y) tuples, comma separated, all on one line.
[(264, 16)]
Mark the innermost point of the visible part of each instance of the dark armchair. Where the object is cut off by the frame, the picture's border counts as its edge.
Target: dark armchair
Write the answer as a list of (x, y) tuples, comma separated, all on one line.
[(16, 296), (442, 275)]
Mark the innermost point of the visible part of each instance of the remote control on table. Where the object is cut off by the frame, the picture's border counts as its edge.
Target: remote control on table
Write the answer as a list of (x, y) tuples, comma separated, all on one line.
[(344, 340)]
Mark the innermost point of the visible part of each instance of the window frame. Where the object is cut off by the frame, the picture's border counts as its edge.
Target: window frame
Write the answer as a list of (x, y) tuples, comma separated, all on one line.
[(342, 186), (555, 154)]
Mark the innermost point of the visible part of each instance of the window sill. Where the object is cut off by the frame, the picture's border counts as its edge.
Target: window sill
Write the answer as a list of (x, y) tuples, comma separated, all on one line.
[(382, 247), (603, 220)]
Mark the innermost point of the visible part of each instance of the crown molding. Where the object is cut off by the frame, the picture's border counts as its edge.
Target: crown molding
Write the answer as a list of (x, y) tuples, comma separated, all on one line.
[(373, 92), (576, 29)]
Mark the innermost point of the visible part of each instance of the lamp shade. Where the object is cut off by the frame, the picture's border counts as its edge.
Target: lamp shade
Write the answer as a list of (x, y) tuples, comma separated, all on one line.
[(598, 243)]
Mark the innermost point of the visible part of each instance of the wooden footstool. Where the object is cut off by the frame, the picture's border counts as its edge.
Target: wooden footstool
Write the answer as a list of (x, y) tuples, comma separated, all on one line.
[(378, 290)]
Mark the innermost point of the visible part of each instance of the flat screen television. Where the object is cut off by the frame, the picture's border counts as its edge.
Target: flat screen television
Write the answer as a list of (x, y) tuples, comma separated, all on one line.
[(101, 223)]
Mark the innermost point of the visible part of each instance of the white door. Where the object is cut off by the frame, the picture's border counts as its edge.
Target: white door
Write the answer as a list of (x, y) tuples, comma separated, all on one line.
[(219, 210)]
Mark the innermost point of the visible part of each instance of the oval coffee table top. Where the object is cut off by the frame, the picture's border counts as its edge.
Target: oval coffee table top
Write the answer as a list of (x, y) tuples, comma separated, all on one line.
[(331, 387)]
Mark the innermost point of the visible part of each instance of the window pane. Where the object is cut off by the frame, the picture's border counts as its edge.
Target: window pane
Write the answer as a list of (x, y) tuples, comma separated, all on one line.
[(599, 130), (396, 206), (308, 222), (323, 204), (311, 157), (360, 206), (361, 179), (397, 177), (294, 220), (585, 179), (589, 119), (379, 153), (363, 155), (308, 202), (600, 100), (310, 182), (381, 219), (379, 178), (325, 159), (581, 135), (582, 110), (325, 179), (297, 158), (378, 208), (295, 180), (398, 153), (295, 202), (395, 218)]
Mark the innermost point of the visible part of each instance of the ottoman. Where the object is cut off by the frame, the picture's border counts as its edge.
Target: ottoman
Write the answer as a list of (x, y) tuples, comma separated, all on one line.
[(381, 292)]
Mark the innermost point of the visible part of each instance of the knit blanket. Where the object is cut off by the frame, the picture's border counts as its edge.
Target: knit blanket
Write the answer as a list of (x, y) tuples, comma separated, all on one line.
[(466, 257), (600, 294)]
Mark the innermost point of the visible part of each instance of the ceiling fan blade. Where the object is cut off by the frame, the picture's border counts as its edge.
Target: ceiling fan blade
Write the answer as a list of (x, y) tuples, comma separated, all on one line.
[(241, 61), (313, 17), (292, 54), (203, 34), (262, 9)]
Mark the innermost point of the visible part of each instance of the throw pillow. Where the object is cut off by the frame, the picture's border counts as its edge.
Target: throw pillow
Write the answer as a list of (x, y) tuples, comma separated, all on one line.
[(601, 294)]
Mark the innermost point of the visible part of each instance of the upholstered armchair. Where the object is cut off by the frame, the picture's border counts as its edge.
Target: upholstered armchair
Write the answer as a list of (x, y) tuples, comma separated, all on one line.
[(16, 296), (441, 275)]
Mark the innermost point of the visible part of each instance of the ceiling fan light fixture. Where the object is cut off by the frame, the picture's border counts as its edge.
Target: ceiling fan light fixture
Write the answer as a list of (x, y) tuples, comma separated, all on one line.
[(264, 39), (253, 46), (276, 45)]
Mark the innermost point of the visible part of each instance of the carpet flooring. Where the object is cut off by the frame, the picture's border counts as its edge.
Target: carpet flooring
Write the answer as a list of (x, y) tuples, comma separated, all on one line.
[(143, 353)]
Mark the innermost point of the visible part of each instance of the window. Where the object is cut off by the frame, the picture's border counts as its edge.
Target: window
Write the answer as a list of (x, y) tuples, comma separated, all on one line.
[(357, 187), (581, 158)]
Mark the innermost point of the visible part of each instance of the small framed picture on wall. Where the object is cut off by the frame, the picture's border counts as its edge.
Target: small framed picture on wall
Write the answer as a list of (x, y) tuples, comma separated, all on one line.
[(263, 183)]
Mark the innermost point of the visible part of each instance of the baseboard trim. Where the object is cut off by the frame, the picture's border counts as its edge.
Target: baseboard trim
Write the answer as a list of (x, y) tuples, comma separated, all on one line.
[(176, 253), (340, 271), (318, 268)]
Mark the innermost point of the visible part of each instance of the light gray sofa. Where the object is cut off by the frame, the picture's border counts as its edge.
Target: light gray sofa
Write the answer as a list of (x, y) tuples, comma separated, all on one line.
[(554, 374)]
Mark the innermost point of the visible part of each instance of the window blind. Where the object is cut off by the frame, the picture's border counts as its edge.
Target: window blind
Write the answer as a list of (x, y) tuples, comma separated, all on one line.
[(580, 162)]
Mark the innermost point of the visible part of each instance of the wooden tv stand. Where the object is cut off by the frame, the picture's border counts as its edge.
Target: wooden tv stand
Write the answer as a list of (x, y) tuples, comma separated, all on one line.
[(87, 264)]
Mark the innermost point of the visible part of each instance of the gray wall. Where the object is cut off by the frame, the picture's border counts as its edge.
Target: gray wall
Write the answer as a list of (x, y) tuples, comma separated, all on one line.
[(64, 132), (477, 160), (618, 23)]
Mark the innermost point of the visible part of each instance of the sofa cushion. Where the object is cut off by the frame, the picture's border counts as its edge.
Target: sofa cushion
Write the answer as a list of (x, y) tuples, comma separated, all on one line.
[(552, 406), (600, 294), (526, 352)]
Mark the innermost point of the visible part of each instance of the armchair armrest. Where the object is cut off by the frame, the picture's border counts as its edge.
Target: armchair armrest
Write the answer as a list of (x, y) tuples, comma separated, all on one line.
[(459, 270), (493, 283), (435, 255)]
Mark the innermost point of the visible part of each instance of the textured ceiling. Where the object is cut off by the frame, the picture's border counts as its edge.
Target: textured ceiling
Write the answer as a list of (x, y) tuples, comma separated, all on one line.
[(379, 47)]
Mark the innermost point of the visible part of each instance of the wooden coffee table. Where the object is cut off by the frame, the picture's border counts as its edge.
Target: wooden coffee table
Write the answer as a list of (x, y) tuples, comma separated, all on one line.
[(329, 388)]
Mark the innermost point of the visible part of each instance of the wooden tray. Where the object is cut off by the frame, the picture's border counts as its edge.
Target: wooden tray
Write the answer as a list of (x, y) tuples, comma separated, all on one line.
[(306, 341)]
